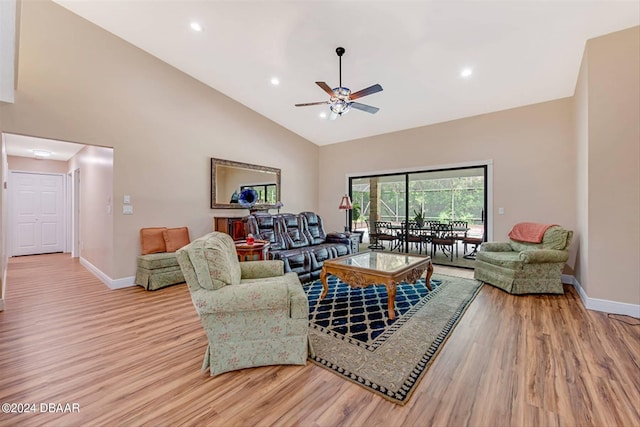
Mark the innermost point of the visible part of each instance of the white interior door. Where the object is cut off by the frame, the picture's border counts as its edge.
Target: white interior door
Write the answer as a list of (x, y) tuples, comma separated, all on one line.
[(37, 206)]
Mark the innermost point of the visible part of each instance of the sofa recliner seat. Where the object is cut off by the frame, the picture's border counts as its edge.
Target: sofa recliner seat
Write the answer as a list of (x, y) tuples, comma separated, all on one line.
[(299, 240)]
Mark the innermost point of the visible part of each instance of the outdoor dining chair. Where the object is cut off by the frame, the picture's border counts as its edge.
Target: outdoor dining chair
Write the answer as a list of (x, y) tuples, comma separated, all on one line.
[(386, 233), (414, 235), (443, 238)]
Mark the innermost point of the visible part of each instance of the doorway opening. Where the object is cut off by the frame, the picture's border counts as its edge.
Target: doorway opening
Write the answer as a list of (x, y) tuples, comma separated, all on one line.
[(38, 159)]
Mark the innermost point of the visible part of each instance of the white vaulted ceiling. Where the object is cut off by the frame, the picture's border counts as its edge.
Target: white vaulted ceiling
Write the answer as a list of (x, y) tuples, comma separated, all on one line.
[(521, 52)]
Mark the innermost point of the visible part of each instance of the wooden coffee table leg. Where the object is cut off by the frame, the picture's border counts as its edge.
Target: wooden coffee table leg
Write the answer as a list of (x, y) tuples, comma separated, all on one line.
[(427, 279), (325, 286), (391, 299)]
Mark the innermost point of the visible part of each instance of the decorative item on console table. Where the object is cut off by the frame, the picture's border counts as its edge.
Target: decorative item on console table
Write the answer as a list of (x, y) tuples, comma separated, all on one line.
[(233, 226), (248, 198)]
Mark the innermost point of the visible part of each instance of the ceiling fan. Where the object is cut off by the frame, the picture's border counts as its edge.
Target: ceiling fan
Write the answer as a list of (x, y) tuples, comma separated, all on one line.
[(341, 99)]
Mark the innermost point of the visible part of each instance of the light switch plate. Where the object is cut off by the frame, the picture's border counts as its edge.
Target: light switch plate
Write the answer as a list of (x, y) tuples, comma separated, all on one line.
[(127, 210), (126, 199), (501, 211)]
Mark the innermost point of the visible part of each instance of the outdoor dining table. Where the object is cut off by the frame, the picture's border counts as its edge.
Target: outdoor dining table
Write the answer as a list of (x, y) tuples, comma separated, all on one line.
[(401, 228)]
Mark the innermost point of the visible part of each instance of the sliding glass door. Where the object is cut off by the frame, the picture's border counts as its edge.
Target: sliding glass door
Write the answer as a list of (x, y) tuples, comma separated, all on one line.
[(379, 205), (457, 197)]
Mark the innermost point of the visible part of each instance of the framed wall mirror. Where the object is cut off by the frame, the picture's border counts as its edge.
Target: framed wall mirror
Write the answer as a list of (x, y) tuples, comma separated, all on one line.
[(229, 178)]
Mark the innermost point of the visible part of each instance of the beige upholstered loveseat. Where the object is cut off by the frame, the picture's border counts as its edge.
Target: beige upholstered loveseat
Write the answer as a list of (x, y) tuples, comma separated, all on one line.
[(526, 267), (252, 312)]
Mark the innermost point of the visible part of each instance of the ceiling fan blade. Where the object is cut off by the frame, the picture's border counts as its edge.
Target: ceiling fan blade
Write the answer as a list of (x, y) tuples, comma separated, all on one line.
[(364, 107), (312, 103), (333, 116), (326, 88), (368, 91)]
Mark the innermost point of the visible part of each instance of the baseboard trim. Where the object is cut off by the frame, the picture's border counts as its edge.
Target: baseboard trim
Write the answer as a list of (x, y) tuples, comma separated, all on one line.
[(607, 306), (124, 282)]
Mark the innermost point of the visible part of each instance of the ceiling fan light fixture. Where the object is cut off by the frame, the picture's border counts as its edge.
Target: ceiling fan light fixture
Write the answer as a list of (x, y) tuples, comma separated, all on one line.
[(340, 107), (341, 99), (342, 92)]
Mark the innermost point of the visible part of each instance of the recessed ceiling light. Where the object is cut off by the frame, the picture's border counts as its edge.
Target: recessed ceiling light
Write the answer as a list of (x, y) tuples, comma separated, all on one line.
[(275, 81), (466, 72), (323, 115), (41, 154), (196, 26)]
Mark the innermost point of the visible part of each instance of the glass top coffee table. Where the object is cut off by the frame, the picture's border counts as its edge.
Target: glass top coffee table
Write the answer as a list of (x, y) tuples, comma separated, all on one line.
[(377, 268)]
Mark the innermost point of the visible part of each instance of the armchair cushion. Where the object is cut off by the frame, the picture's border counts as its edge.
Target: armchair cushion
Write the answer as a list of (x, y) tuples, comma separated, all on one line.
[(152, 240), (261, 269), (267, 294), (215, 261), (555, 237), (543, 256), (509, 259), (175, 238), (496, 247)]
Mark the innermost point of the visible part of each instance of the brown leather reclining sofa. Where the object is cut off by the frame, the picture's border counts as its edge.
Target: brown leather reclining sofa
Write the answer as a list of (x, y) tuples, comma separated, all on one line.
[(299, 240)]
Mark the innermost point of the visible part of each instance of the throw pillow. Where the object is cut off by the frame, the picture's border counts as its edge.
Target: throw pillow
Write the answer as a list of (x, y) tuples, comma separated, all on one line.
[(152, 240), (175, 238)]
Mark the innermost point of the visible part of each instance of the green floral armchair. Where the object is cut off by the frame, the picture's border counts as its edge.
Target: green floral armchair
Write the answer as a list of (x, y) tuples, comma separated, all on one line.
[(253, 313), (525, 268)]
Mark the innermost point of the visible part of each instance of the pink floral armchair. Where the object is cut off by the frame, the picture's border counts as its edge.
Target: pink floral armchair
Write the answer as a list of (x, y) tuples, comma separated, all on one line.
[(252, 312), (521, 267)]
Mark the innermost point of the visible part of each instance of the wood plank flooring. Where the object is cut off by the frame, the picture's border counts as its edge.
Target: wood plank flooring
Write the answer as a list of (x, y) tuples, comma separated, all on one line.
[(130, 357)]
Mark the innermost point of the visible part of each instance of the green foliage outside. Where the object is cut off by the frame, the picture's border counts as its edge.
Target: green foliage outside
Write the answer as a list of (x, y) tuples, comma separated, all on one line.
[(442, 199)]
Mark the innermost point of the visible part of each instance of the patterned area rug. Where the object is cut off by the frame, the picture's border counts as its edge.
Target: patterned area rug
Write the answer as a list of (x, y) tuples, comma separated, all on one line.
[(353, 337)]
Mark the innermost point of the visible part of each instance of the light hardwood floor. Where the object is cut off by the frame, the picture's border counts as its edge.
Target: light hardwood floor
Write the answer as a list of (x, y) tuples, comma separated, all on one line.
[(132, 357)]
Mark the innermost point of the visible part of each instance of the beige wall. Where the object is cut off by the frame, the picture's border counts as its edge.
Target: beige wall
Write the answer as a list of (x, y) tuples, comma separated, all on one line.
[(581, 121), (96, 206), (81, 84), (613, 165), (4, 173), (27, 164), (531, 149)]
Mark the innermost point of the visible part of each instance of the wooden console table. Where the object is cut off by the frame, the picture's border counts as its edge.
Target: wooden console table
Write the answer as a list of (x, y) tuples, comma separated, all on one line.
[(233, 226)]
